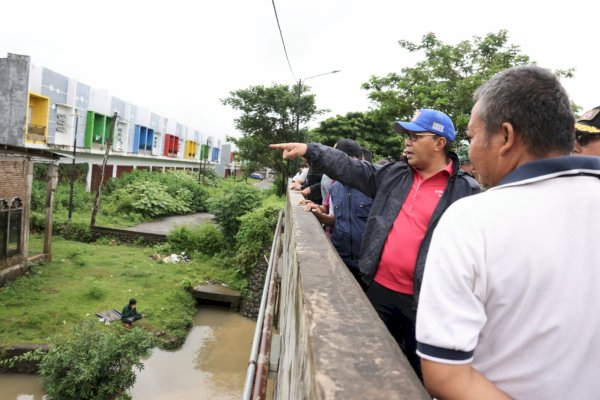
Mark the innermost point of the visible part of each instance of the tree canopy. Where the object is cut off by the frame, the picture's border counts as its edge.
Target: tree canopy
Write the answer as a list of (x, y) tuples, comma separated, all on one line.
[(268, 115), (446, 79), (368, 129)]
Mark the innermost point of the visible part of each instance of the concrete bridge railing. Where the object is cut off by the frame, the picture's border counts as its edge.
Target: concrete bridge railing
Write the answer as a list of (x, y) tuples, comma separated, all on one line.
[(333, 344)]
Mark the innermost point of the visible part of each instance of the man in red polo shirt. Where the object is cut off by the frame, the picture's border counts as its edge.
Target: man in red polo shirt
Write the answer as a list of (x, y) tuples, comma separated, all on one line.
[(408, 201)]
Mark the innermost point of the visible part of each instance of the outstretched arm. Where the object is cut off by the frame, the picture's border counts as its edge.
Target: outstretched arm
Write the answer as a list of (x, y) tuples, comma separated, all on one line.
[(335, 164)]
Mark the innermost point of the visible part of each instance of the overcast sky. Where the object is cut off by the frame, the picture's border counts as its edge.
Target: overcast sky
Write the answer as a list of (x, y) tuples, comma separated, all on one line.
[(180, 57)]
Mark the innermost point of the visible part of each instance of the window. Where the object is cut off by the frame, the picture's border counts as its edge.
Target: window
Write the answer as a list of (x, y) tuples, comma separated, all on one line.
[(10, 227)]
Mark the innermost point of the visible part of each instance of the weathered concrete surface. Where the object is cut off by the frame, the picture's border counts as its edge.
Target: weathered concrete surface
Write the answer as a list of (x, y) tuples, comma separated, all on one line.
[(164, 225), (12, 273), (24, 367), (334, 346), (217, 292), (14, 94)]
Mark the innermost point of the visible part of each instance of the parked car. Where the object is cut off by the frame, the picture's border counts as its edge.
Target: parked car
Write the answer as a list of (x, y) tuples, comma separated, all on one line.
[(257, 175)]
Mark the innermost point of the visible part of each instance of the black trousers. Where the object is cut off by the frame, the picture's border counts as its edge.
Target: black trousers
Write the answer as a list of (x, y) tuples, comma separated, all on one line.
[(396, 311), (130, 320)]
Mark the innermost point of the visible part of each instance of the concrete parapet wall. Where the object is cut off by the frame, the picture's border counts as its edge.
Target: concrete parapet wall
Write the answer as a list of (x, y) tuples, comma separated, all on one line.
[(334, 346)]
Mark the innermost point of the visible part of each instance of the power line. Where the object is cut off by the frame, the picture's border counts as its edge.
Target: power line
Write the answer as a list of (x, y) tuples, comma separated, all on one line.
[(283, 41)]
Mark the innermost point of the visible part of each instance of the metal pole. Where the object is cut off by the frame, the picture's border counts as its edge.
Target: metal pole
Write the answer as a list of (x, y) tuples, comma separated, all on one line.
[(234, 173), (298, 111), (200, 172), (73, 166), (108, 144)]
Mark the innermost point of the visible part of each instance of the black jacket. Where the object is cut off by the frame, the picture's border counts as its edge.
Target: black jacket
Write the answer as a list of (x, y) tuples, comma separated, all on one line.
[(388, 185), (313, 181)]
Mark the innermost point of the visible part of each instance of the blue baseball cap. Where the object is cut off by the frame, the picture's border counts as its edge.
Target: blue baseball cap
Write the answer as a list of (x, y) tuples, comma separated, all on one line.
[(428, 120)]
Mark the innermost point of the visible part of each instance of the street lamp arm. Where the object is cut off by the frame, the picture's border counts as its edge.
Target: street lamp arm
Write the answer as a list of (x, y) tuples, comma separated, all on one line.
[(314, 76), (299, 96)]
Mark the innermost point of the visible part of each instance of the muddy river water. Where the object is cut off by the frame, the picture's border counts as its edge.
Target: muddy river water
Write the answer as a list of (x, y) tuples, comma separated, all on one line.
[(211, 364)]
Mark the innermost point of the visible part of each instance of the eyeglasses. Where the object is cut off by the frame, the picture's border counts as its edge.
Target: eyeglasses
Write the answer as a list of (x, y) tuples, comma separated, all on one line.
[(413, 136), (583, 139)]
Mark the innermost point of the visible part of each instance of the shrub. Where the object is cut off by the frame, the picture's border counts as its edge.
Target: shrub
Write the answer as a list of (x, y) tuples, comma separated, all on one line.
[(235, 202), (37, 222), (208, 176), (254, 237), (82, 199), (38, 196), (186, 283), (76, 231), (96, 292), (92, 363), (206, 239), (179, 185), (280, 184), (147, 198)]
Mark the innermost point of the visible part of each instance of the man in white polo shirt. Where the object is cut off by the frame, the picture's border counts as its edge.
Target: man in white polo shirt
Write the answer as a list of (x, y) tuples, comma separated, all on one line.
[(510, 302)]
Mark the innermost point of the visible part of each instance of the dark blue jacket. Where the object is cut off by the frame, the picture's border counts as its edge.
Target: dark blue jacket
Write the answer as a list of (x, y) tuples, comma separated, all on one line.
[(351, 209), (389, 186)]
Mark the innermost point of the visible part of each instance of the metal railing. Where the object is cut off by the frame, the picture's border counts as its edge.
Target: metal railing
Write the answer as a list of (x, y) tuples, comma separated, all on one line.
[(332, 343), (256, 375)]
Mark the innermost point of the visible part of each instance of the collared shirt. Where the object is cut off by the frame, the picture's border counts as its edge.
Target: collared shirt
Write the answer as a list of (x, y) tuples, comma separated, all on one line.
[(397, 265), (512, 284)]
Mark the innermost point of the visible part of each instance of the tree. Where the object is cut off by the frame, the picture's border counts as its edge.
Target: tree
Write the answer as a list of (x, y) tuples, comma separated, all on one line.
[(367, 128), (269, 116), (446, 79)]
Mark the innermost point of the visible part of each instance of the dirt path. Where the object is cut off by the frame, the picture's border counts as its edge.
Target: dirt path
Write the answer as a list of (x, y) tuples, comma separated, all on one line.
[(164, 225)]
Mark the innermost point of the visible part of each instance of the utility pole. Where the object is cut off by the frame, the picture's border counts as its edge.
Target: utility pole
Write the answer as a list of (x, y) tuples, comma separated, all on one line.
[(298, 111), (107, 150), (200, 164), (234, 171), (73, 166)]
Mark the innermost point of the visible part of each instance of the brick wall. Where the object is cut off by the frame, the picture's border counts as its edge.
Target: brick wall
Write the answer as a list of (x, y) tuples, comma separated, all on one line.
[(13, 172), (13, 178)]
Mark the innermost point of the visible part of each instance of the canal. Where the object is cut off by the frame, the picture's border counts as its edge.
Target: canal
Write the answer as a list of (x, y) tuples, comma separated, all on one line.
[(211, 364)]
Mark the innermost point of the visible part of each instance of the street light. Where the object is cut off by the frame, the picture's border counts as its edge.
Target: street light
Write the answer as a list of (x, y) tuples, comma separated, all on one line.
[(300, 94)]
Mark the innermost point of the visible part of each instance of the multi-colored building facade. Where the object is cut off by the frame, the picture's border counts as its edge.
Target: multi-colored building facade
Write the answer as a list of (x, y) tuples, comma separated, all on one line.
[(63, 114)]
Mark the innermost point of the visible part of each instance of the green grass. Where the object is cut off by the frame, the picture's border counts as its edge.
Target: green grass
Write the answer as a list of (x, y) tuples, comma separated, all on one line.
[(112, 220), (84, 279)]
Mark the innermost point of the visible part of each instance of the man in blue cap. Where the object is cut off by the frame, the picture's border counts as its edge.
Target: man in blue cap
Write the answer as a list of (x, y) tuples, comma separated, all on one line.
[(408, 200)]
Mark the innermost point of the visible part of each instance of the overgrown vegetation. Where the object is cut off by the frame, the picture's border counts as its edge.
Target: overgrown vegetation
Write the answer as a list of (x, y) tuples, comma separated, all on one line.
[(91, 362), (231, 205), (134, 197), (254, 237), (152, 194), (206, 239)]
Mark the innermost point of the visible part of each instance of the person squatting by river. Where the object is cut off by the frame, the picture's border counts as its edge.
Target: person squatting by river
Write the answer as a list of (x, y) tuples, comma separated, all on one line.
[(129, 314)]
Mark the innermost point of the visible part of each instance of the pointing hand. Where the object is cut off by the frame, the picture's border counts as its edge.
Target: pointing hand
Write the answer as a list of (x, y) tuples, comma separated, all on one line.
[(291, 151)]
